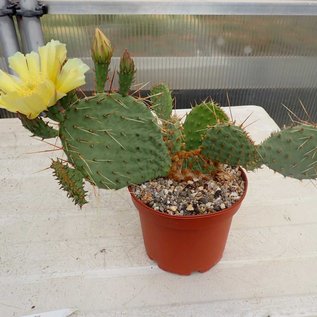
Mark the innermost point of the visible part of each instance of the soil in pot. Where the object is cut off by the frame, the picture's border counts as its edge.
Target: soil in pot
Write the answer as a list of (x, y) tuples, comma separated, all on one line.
[(185, 225), (192, 197)]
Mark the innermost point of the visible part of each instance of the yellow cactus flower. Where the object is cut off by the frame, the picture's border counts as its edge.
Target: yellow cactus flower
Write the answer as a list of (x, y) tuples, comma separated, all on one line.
[(42, 79)]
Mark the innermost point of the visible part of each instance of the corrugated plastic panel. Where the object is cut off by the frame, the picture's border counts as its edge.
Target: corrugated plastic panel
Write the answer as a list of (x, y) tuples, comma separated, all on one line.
[(263, 60)]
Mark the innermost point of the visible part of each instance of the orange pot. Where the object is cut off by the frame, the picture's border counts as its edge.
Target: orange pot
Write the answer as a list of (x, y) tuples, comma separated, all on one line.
[(185, 244)]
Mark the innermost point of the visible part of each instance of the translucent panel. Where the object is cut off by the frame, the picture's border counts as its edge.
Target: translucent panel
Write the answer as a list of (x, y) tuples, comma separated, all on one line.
[(202, 52), (264, 60)]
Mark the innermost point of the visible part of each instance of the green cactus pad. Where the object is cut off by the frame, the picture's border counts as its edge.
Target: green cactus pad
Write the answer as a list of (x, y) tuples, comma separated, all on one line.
[(198, 120), (38, 127), (114, 141), (292, 152), (71, 180), (55, 113), (162, 101), (230, 144)]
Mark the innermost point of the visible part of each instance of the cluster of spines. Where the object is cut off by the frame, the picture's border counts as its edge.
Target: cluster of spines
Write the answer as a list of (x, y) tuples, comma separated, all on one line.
[(71, 180)]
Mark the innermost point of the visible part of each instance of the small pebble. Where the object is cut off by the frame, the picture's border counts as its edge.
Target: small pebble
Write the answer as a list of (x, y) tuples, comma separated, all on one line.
[(173, 208), (190, 207)]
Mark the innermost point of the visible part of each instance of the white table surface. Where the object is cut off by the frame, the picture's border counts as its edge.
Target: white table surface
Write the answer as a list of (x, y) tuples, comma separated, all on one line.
[(54, 255)]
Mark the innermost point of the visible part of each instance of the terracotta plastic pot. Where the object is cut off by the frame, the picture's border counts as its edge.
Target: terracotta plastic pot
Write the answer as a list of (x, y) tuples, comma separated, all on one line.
[(185, 244)]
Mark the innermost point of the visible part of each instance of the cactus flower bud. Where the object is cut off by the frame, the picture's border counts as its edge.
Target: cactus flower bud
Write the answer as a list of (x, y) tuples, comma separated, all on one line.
[(101, 48), (126, 63), (101, 53)]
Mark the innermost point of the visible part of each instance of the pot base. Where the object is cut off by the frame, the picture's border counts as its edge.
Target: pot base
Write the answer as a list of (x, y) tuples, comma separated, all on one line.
[(186, 244)]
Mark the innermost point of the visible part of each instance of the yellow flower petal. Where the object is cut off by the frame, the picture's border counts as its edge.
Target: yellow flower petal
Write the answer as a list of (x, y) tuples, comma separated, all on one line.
[(52, 57), (33, 61), (32, 105), (8, 82), (18, 63), (72, 75)]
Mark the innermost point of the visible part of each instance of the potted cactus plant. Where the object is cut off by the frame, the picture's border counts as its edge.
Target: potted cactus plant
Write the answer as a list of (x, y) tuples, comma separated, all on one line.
[(113, 140)]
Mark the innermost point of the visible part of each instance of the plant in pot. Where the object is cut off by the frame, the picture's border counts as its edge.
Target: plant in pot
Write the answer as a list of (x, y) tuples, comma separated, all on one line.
[(186, 178)]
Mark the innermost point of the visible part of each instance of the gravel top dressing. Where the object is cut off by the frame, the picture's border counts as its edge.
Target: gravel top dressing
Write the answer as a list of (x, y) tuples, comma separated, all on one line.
[(192, 197)]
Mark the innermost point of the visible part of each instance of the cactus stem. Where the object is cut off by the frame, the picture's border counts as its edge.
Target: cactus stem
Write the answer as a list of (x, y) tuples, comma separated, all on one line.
[(106, 178)]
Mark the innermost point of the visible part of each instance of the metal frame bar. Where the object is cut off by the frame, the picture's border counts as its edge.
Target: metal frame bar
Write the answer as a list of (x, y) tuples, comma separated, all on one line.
[(183, 7), (8, 37), (30, 27)]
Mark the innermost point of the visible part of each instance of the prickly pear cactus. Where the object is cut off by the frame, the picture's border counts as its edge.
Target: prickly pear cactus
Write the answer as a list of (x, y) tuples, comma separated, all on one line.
[(198, 120), (230, 144), (292, 152), (114, 141), (162, 101)]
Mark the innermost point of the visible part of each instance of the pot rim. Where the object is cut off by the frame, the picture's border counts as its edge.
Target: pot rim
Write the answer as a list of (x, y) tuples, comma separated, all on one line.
[(191, 217)]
